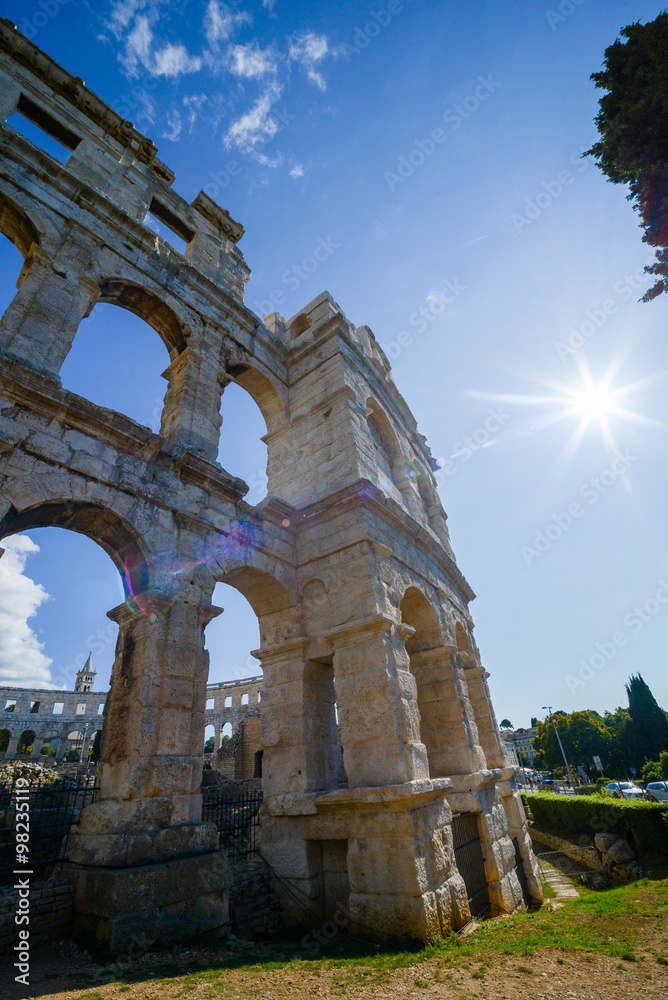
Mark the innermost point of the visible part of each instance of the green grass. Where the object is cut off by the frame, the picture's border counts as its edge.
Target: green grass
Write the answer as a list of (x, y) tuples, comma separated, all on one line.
[(616, 922)]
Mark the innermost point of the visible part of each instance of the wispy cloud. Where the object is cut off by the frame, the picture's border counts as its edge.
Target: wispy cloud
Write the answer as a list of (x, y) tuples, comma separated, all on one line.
[(310, 49), (22, 660), (220, 22), (175, 123), (297, 171), (251, 61), (269, 4), (172, 60), (256, 127)]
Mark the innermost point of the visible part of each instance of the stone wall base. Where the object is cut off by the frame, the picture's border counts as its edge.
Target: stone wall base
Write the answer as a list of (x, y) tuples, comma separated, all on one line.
[(136, 909), (255, 909), (50, 913)]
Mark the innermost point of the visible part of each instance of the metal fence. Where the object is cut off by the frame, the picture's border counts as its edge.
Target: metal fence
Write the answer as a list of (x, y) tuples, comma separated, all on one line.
[(237, 818), (470, 862), (43, 827)]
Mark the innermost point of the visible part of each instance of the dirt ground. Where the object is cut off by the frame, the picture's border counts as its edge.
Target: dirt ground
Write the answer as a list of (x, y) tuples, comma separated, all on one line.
[(65, 974)]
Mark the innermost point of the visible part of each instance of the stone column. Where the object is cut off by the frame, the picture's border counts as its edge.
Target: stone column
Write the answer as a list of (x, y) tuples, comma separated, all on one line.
[(36, 749), (191, 415), (62, 747), (300, 758), (447, 726), (376, 695), (144, 834), (10, 753), (481, 702), (39, 325)]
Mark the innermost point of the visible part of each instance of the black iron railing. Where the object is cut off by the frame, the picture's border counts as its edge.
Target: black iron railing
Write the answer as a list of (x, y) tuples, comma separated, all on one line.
[(237, 817), (470, 862), (35, 822)]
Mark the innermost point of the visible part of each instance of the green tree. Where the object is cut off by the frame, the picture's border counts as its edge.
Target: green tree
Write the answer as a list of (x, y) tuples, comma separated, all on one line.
[(656, 770), (506, 724), (208, 745), (649, 721), (583, 735), (633, 124)]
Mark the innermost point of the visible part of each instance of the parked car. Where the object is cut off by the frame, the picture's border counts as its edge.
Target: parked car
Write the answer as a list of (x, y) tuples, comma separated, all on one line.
[(549, 785), (657, 791), (624, 790)]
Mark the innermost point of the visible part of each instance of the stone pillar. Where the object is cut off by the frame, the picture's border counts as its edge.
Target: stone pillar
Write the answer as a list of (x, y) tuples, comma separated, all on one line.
[(36, 749), (300, 758), (10, 753), (518, 830), (376, 695), (62, 747), (39, 325), (481, 702), (404, 882), (144, 834), (191, 415), (447, 726)]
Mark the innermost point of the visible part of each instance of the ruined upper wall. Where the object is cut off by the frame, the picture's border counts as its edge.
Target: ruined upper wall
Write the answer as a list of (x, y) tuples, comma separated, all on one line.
[(114, 159)]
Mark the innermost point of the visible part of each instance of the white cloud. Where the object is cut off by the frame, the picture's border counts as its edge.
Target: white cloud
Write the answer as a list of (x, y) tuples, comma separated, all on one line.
[(22, 660), (309, 49), (220, 22), (251, 61), (175, 124), (137, 46), (297, 171), (173, 60), (256, 126), (269, 4)]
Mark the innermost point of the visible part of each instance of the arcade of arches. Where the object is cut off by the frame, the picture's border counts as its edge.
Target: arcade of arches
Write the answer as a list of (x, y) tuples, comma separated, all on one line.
[(376, 719)]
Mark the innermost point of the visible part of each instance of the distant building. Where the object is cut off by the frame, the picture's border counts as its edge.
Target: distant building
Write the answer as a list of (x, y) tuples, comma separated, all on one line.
[(520, 741)]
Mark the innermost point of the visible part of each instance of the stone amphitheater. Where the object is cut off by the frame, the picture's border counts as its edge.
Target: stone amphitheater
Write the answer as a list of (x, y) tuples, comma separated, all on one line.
[(367, 649)]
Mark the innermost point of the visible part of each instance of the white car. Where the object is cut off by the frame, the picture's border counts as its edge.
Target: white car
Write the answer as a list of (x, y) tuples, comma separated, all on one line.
[(624, 790), (657, 791)]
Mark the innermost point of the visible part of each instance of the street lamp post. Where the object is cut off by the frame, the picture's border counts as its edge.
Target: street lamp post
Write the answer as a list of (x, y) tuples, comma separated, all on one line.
[(548, 708)]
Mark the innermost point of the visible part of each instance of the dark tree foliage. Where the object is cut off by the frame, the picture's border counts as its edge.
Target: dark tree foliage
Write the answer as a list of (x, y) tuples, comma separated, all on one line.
[(649, 721), (633, 123)]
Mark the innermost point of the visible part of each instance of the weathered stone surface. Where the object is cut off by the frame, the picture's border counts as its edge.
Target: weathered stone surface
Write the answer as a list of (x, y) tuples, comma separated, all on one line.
[(372, 681)]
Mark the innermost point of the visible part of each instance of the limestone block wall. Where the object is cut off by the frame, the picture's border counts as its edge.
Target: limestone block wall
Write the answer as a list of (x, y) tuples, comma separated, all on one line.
[(366, 641), (51, 913)]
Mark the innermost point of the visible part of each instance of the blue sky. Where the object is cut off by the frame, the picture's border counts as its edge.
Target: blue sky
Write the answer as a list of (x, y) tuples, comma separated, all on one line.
[(435, 149)]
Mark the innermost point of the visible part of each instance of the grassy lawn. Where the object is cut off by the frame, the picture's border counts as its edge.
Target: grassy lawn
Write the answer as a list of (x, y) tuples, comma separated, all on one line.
[(628, 925)]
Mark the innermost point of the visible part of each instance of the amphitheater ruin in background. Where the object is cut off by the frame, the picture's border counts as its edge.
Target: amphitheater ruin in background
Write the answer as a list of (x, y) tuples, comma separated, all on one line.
[(366, 637)]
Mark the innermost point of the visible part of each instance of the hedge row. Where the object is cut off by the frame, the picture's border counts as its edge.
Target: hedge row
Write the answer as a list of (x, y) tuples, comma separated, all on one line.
[(644, 823)]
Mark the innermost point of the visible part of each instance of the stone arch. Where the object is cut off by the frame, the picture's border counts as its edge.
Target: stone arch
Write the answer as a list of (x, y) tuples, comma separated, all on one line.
[(385, 440), (113, 533), (5, 737), (18, 226), (26, 740), (227, 732), (262, 390), (446, 722), (269, 598), (147, 306)]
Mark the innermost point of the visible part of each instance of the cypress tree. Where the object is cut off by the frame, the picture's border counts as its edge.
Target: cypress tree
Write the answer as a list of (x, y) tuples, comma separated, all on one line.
[(649, 721)]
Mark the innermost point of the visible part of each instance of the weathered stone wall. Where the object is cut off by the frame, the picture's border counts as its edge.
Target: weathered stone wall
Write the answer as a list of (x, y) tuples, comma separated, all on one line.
[(366, 642), (51, 913)]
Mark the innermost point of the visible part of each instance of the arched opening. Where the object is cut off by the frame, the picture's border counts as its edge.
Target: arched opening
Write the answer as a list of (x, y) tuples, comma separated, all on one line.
[(386, 453), (75, 739), (5, 737), (226, 734), (50, 745), (209, 739), (231, 637), (443, 724), (116, 361), (56, 587), (252, 411), (26, 741), (18, 234)]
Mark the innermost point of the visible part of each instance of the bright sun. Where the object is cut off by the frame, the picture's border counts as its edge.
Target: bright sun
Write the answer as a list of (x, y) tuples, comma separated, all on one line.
[(596, 402)]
